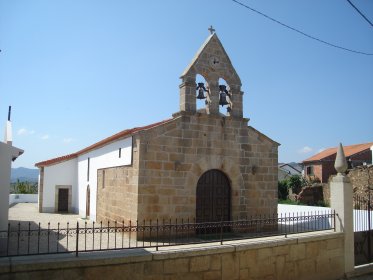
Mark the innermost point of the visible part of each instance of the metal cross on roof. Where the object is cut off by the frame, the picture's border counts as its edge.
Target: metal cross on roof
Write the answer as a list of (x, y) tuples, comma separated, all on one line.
[(211, 29)]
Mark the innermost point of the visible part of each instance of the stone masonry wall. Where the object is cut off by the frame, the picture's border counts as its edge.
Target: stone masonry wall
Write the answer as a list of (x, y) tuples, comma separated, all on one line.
[(117, 191), (298, 257), (360, 178), (327, 170), (175, 155), (169, 159)]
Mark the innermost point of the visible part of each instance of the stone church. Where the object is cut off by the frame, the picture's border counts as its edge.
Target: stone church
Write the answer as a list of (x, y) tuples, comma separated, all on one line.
[(199, 164)]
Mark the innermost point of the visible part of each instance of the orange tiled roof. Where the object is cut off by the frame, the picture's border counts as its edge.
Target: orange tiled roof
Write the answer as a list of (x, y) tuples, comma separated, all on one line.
[(348, 150), (101, 143)]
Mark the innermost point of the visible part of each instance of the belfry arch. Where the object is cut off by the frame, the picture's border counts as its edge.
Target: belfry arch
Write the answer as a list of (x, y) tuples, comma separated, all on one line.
[(202, 93), (213, 63)]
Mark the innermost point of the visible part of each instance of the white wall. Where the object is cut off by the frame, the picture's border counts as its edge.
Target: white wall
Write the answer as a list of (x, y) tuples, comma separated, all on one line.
[(104, 157), (64, 173), (7, 154), (18, 198), (5, 164)]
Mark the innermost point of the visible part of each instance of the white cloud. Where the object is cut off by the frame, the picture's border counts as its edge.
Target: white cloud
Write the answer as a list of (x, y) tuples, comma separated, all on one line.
[(305, 150), (68, 140), (321, 150), (24, 131), (45, 137)]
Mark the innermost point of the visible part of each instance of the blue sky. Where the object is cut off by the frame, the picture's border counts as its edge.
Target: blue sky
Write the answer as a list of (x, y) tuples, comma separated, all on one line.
[(76, 72)]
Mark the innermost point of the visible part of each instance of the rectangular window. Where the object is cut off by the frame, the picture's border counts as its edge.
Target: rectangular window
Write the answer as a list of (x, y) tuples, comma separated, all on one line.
[(310, 170), (103, 178), (120, 152), (88, 166)]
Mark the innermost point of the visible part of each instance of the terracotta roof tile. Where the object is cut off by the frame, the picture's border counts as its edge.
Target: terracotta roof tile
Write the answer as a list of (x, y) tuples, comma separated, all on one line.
[(101, 143), (349, 151)]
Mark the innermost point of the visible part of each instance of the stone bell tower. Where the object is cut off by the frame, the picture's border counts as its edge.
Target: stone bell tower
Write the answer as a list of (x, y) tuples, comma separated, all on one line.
[(212, 63)]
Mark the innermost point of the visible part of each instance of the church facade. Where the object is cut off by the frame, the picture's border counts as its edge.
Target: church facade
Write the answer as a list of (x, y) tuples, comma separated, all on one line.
[(198, 164)]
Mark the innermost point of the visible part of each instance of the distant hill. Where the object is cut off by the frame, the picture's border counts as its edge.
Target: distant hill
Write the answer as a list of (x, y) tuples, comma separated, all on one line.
[(24, 174)]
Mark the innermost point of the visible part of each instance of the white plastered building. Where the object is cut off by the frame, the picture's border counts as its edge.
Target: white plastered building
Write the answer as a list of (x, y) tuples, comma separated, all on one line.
[(69, 183)]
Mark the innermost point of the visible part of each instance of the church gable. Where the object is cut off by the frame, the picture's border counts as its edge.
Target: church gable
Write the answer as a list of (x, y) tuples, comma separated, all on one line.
[(212, 60)]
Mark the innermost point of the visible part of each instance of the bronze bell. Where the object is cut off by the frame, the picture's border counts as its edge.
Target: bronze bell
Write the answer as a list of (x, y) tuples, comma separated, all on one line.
[(201, 91), (223, 95)]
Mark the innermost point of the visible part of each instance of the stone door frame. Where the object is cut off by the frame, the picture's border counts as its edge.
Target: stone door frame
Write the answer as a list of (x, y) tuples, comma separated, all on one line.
[(69, 202)]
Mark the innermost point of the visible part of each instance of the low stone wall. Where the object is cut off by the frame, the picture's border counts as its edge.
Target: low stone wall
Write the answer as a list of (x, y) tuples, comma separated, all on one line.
[(18, 198), (311, 195), (302, 256), (326, 193), (359, 178)]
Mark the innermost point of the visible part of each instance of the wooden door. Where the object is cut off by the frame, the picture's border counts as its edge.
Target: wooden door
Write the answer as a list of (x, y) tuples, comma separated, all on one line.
[(63, 200), (213, 197)]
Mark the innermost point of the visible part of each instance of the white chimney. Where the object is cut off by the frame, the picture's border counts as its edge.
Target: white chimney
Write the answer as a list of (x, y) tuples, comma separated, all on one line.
[(8, 138)]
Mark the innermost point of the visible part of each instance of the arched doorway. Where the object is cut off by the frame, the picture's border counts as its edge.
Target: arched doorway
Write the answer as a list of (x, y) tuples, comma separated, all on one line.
[(88, 202), (213, 197)]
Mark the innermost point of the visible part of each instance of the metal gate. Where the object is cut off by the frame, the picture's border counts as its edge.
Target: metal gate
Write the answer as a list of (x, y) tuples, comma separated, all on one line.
[(363, 229)]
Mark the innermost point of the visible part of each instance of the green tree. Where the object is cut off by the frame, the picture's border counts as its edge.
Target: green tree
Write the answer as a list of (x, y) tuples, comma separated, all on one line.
[(283, 190), (25, 188), (296, 183)]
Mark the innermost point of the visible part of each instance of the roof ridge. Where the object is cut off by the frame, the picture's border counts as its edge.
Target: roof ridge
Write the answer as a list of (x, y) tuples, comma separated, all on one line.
[(103, 142), (333, 150)]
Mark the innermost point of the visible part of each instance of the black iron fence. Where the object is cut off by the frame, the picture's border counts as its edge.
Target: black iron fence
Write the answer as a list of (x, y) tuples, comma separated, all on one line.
[(34, 239), (363, 229)]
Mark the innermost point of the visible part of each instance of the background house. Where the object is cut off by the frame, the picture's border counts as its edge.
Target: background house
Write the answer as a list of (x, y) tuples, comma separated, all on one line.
[(321, 165), (286, 170)]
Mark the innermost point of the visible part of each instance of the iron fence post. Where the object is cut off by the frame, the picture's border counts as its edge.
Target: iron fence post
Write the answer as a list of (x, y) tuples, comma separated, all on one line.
[(28, 238), (286, 231), (7, 241), (369, 227), (334, 218), (77, 239), (157, 235), (18, 236), (221, 233), (49, 229)]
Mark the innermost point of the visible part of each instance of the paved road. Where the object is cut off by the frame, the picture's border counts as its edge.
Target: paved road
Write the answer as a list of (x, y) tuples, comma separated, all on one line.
[(28, 212)]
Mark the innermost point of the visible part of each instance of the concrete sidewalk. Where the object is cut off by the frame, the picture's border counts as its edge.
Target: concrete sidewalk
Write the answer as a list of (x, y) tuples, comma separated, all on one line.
[(28, 212)]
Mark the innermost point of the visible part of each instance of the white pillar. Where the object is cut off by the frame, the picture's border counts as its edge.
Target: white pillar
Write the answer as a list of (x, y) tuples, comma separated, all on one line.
[(8, 153), (341, 195)]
